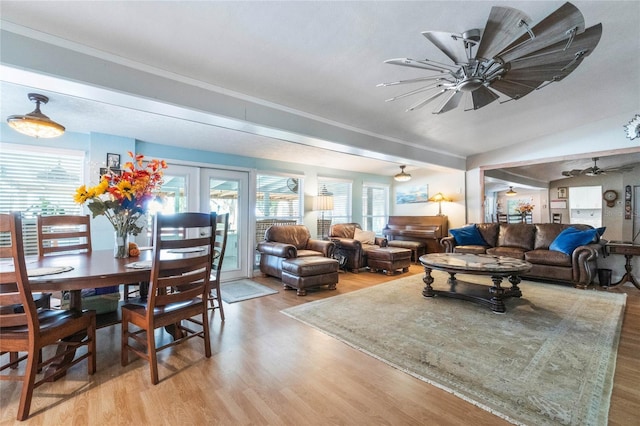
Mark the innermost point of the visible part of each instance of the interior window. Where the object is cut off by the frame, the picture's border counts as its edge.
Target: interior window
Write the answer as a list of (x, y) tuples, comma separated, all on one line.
[(375, 207), (37, 181)]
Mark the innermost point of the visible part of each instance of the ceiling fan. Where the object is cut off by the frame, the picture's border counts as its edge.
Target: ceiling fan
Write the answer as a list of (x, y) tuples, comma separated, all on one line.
[(510, 56), (593, 171)]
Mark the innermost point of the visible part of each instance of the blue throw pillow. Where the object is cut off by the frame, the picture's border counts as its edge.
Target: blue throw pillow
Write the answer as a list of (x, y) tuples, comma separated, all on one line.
[(571, 238), (468, 236)]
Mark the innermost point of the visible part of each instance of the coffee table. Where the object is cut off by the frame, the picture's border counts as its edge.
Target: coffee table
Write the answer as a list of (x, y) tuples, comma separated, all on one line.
[(497, 267)]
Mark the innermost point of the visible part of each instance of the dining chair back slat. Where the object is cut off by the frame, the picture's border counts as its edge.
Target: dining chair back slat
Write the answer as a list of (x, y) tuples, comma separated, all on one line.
[(63, 233)]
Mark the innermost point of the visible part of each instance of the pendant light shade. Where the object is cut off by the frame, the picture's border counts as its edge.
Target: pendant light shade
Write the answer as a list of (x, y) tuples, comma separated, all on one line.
[(511, 192), (402, 176), (36, 124)]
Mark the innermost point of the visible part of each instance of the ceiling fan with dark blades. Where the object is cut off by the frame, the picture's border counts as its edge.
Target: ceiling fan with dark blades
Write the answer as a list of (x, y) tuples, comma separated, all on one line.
[(510, 57), (595, 170)]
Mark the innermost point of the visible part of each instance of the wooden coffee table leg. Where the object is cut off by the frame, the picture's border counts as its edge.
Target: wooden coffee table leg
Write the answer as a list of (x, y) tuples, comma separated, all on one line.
[(497, 304), (428, 279), (515, 290)]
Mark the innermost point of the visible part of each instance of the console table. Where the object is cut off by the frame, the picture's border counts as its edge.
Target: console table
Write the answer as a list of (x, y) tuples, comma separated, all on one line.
[(628, 250)]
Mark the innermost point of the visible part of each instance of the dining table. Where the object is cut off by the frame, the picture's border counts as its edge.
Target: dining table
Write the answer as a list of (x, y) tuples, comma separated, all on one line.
[(78, 271)]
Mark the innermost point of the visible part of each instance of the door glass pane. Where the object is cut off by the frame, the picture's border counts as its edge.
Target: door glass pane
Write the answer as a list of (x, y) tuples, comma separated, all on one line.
[(223, 198)]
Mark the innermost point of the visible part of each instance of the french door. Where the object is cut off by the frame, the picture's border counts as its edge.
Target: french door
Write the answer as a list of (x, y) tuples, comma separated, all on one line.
[(227, 191)]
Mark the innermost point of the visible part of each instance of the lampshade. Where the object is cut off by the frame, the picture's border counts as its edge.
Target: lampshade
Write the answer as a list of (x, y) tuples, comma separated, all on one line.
[(36, 124), (324, 200), (511, 192), (438, 198), (402, 176)]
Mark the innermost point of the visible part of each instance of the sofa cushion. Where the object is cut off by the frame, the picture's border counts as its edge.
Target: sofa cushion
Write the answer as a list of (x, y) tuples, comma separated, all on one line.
[(296, 235), (571, 238), (489, 232), (470, 249), (468, 236), (548, 257), (517, 235), (365, 237), (514, 252)]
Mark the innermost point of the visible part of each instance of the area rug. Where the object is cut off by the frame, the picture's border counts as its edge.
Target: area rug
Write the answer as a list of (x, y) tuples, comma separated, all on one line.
[(237, 291), (549, 359)]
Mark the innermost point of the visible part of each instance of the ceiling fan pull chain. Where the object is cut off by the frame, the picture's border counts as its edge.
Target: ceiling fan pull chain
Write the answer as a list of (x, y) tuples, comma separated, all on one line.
[(522, 23), (572, 34)]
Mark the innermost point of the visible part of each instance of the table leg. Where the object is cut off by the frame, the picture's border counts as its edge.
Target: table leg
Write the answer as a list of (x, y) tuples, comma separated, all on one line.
[(497, 304), (52, 372), (428, 280), (628, 276), (515, 291)]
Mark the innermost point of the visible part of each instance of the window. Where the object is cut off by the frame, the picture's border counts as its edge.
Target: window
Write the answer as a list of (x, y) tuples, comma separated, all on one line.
[(375, 207), (341, 193), (38, 181), (279, 197)]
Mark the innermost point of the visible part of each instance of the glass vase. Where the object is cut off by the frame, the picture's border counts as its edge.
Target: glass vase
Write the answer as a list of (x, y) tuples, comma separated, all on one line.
[(121, 246)]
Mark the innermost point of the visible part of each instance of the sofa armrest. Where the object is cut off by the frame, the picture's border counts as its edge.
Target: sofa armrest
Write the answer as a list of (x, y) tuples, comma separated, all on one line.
[(381, 241), (325, 247), (347, 243), (448, 244), (583, 259), (273, 248)]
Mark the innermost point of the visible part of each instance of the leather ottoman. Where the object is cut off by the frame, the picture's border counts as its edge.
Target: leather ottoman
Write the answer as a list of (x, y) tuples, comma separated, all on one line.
[(389, 259), (417, 248), (302, 273)]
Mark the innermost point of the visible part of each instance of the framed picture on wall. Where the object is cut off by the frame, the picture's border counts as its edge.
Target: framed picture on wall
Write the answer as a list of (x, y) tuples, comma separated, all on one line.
[(113, 161), (562, 192)]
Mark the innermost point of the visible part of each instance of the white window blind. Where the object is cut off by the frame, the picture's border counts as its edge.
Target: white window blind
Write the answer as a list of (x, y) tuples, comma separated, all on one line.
[(279, 197), (375, 207), (341, 192), (38, 182)]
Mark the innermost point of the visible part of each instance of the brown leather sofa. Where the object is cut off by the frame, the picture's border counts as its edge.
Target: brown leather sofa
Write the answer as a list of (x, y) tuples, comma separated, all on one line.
[(531, 242), (354, 251), (289, 242)]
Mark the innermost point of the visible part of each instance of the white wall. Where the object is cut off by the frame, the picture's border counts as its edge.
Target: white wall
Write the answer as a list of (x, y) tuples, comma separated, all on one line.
[(452, 185)]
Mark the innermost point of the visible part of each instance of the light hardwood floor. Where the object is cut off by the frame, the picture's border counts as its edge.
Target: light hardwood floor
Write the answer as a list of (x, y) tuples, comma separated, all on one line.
[(267, 368)]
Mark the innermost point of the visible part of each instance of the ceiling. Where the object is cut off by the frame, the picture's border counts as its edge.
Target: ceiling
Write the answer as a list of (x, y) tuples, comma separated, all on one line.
[(323, 60)]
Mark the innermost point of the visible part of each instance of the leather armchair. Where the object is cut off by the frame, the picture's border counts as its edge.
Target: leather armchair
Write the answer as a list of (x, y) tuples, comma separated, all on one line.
[(287, 242), (354, 251)]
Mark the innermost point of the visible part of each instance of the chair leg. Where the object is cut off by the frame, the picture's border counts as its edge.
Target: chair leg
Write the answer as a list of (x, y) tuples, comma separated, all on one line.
[(91, 335), (205, 331), (124, 340), (217, 299), (153, 359), (27, 387)]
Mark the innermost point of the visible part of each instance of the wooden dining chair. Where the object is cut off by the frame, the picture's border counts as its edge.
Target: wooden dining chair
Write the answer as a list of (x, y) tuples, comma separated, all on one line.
[(215, 296), (502, 218), (178, 289), (63, 233), (556, 218), (29, 329)]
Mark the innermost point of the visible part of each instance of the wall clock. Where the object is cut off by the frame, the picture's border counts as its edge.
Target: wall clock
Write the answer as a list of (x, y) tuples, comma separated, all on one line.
[(610, 196)]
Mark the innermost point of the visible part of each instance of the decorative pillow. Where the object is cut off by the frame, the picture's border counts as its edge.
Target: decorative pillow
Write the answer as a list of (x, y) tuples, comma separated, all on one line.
[(571, 238), (468, 236), (365, 237), (599, 232)]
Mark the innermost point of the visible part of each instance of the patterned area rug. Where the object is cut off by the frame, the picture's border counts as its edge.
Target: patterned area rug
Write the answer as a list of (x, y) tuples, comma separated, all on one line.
[(237, 291), (549, 360)]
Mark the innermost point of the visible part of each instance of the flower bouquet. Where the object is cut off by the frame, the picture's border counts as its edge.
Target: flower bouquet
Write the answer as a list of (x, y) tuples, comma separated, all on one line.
[(524, 208), (123, 198)]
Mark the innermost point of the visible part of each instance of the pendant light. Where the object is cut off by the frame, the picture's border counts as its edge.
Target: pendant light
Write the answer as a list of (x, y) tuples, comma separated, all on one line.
[(36, 124), (402, 176), (511, 192)]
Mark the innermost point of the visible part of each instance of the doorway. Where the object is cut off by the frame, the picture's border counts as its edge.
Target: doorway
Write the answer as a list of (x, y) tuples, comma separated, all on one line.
[(227, 191)]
